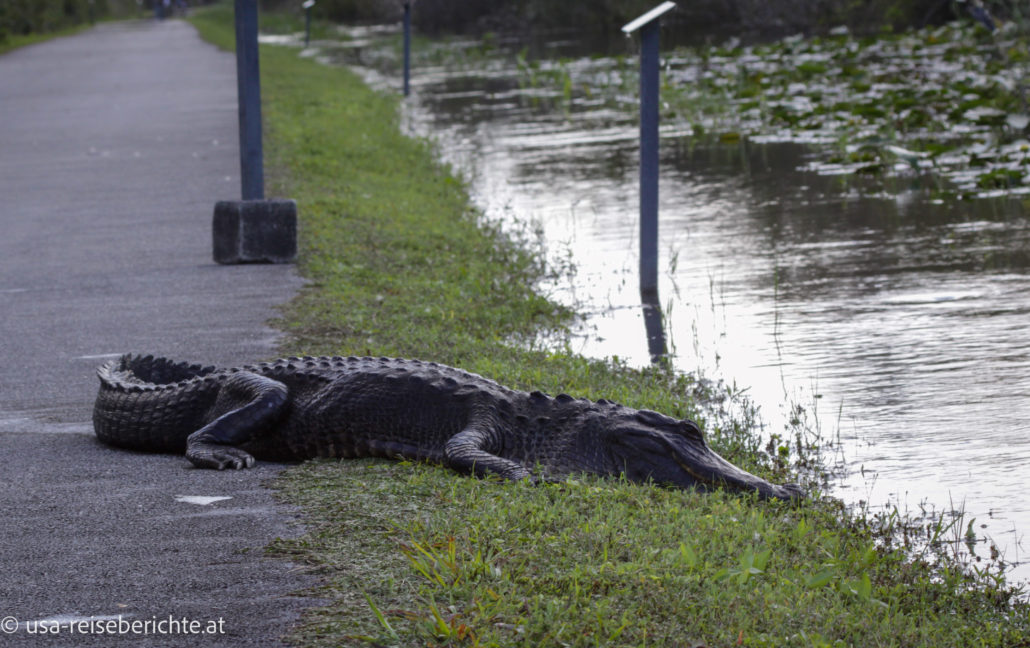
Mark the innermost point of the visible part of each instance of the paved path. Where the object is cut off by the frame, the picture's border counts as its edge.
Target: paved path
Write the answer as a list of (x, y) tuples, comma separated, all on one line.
[(114, 146)]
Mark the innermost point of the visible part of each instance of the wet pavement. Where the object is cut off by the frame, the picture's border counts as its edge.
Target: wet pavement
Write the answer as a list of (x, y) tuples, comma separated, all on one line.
[(116, 144)]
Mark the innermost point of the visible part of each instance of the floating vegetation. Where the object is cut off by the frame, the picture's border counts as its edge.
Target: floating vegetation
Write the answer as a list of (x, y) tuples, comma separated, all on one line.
[(947, 104)]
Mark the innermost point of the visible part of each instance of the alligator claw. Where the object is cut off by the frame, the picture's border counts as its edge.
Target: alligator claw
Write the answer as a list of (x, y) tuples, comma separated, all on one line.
[(794, 491), (218, 457)]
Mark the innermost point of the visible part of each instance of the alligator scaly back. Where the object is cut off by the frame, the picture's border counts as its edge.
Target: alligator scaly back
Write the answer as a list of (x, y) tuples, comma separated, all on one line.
[(298, 408)]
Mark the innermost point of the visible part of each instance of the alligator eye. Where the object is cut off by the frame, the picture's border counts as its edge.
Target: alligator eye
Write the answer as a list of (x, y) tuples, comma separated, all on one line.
[(654, 419), (689, 429)]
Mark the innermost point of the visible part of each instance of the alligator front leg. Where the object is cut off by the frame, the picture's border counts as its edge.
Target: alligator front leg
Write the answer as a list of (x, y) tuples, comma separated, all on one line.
[(250, 402), (472, 451)]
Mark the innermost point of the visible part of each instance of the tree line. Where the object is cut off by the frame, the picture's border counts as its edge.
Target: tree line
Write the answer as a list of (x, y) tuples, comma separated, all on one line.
[(24, 17), (693, 19), (723, 18)]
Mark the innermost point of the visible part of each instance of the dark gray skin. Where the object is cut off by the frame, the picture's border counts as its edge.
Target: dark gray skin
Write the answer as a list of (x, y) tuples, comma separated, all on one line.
[(299, 408)]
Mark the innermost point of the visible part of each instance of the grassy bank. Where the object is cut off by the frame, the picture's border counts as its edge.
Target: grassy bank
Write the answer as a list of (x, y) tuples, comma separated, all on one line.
[(399, 263)]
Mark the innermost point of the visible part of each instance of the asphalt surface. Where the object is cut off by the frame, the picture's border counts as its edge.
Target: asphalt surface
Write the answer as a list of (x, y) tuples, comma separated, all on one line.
[(114, 147)]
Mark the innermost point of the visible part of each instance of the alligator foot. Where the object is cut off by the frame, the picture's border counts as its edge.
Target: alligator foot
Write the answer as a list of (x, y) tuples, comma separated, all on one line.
[(470, 451), (219, 457), (249, 402)]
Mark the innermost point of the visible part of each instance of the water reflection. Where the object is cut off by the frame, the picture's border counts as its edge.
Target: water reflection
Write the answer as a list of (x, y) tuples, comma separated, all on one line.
[(654, 328)]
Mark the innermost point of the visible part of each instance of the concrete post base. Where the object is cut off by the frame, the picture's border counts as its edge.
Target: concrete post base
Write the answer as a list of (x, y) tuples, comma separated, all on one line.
[(255, 231)]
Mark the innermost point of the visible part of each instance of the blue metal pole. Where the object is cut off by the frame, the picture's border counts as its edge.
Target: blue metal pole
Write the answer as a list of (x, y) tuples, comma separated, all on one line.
[(649, 159), (307, 26), (248, 83), (407, 48)]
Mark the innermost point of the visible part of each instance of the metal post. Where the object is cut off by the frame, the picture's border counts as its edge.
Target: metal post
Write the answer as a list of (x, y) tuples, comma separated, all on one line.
[(308, 4), (649, 158), (407, 48), (648, 24), (252, 230), (248, 85)]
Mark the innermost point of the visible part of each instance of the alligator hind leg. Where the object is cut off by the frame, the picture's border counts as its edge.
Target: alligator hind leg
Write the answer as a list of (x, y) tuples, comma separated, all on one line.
[(470, 451), (248, 403)]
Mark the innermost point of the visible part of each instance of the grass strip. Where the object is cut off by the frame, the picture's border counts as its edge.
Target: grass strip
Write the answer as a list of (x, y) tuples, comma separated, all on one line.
[(399, 263)]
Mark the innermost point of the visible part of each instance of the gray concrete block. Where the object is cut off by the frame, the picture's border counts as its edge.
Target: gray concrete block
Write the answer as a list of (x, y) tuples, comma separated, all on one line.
[(255, 231)]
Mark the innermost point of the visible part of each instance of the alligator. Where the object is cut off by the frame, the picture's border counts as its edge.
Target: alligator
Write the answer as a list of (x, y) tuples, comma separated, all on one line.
[(299, 408)]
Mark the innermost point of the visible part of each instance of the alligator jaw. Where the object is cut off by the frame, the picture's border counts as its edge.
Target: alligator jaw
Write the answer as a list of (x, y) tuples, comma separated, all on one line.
[(686, 461), (711, 469)]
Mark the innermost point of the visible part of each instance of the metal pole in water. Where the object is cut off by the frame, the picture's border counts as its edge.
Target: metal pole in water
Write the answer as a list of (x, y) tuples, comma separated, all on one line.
[(407, 48), (308, 4), (648, 24), (649, 158), (248, 83)]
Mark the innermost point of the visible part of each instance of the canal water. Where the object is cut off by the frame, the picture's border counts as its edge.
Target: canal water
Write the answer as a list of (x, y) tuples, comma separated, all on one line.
[(892, 323)]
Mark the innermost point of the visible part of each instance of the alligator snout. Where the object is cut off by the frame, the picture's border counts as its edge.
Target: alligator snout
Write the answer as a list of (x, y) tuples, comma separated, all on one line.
[(680, 457)]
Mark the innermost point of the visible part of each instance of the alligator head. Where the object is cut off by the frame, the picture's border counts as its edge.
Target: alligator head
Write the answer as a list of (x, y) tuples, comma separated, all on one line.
[(647, 445)]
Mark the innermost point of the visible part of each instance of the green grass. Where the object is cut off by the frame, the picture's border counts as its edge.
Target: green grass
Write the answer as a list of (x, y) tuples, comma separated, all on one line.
[(449, 561), (398, 263), (290, 20)]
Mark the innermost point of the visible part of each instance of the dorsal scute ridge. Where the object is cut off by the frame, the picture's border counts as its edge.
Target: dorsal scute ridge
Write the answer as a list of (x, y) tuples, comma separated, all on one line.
[(133, 370)]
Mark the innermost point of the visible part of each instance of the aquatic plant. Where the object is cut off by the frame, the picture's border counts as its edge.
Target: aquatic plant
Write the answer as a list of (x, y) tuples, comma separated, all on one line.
[(943, 103), (945, 106)]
